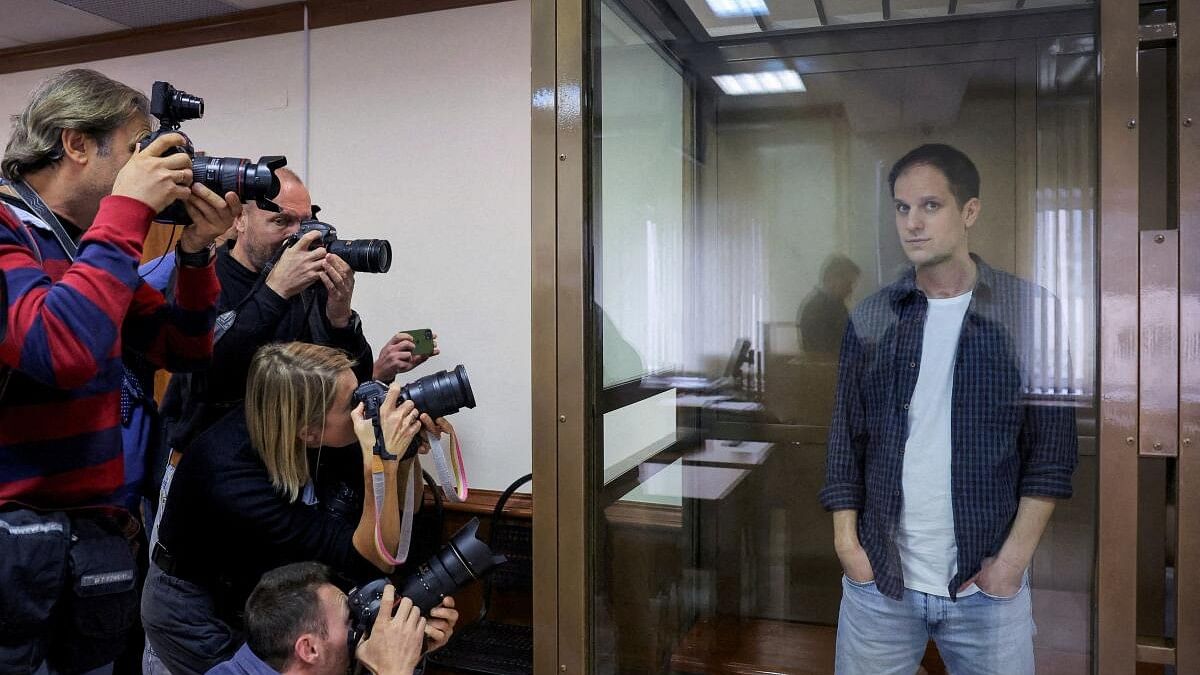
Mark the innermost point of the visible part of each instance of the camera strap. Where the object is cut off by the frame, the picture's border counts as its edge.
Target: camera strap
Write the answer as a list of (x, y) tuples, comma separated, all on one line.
[(411, 480), (451, 471), (452, 477), (34, 201)]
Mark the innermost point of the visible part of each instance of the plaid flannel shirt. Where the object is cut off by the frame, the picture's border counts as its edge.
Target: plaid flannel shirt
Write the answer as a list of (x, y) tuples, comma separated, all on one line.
[(1005, 443)]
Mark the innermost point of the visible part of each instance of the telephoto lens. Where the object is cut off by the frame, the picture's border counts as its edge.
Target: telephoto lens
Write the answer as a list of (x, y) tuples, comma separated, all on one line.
[(462, 560), (442, 393), (465, 558), (251, 181), (364, 255)]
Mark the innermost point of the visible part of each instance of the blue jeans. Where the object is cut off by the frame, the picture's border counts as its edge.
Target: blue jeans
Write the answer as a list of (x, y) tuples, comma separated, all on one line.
[(977, 635)]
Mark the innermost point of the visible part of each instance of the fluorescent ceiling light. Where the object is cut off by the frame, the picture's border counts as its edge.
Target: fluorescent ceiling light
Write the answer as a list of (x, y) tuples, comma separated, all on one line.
[(731, 8), (764, 82)]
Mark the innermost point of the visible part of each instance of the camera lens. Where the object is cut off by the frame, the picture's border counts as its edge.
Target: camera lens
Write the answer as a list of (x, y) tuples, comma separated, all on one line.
[(442, 393), (185, 106), (250, 180), (364, 255), (462, 560)]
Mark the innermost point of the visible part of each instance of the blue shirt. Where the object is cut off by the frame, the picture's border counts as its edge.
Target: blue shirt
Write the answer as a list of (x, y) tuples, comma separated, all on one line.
[(1012, 428), (244, 662), (139, 411)]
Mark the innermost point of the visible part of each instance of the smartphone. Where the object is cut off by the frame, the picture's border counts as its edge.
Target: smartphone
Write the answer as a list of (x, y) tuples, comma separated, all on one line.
[(423, 339)]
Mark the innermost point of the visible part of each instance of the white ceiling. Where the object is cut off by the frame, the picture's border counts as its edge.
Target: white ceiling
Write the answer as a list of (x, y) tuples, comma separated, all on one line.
[(33, 21)]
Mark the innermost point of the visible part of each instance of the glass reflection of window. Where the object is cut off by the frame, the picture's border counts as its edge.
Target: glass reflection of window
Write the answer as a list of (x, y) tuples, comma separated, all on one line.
[(1064, 238), (642, 193)]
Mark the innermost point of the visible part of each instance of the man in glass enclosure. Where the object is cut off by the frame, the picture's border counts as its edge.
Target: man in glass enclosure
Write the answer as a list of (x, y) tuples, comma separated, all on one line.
[(942, 469)]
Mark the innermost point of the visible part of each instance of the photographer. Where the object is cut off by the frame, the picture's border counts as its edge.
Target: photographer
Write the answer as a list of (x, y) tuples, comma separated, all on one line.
[(79, 195), (243, 502), (296, 623), (269, 295)]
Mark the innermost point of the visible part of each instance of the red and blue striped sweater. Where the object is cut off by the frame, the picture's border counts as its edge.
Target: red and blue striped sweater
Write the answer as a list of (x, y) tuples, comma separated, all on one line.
[(68, 326)]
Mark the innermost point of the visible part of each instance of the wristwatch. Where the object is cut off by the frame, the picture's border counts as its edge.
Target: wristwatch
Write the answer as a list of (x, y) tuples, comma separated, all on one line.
[(200, 258)]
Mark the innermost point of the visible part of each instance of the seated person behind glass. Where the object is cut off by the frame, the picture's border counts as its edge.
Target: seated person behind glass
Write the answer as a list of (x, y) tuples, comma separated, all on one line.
[(242, 503), (297, 621)]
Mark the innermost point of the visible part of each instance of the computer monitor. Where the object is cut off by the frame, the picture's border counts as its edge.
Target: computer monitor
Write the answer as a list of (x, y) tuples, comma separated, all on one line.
[(741, 355)]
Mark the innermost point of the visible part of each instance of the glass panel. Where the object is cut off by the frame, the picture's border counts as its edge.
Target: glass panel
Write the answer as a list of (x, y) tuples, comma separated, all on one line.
[(741, 211)]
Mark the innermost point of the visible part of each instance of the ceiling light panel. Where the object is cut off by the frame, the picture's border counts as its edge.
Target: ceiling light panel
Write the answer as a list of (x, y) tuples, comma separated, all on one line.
[(763, 82), (730, 8)]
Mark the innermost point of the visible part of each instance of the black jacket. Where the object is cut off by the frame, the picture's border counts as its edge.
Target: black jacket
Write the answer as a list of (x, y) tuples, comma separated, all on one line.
[(250, 315), (225, 525)]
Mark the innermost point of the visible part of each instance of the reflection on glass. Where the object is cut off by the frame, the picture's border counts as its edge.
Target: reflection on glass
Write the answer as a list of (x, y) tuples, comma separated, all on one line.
[(736, 228)]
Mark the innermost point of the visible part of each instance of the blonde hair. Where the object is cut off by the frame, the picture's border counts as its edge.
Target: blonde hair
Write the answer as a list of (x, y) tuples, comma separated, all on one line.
[(78, 99), (291, 386)]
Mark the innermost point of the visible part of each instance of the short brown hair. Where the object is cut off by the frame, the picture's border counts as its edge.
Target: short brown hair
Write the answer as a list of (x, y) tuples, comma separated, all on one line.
[(282, 607)]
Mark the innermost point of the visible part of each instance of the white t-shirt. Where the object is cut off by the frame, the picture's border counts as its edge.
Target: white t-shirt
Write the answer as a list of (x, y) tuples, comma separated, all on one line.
[(928, 552)]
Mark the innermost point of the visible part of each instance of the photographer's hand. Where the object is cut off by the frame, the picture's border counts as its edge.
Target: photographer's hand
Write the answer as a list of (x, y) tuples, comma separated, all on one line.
[(211, 217), (338, 278), (394, 647), (364, 429), (397, 357), (440, 625), (298, 267), (400, 423), (436, 427), (154, 180)]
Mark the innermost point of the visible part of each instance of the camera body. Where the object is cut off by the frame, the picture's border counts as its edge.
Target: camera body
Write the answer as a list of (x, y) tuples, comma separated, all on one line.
[(440, 394), (250, 180), (465, 558), (362, 255)]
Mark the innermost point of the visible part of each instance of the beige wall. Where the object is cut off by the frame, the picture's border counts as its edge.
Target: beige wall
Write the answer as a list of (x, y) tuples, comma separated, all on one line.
[(419, 133)]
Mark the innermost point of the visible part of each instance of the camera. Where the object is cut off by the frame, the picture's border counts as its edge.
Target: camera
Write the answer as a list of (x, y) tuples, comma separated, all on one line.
[(250, 180), (362, 255), (440, 394), (462, 560)]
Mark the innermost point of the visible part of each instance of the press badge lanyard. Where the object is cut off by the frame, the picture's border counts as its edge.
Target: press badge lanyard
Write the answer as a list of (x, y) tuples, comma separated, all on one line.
[(450, 472)]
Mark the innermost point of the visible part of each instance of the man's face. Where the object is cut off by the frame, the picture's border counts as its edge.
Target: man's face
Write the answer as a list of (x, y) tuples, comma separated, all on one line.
[(107, 156), (260, 233), (931, 224), (333, 649)]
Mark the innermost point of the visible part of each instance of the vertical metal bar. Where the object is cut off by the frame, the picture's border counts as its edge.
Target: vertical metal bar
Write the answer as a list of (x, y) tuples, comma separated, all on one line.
[(573, 300), (1187, 562), (1158, 368), (1116, 576), (821, 15), (544, 375)]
